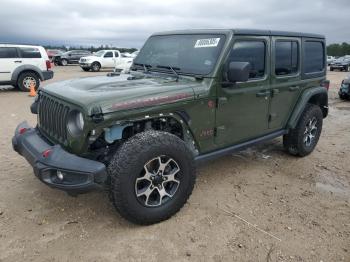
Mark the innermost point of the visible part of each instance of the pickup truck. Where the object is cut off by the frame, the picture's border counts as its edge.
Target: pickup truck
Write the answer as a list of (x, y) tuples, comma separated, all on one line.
[(106, 59)]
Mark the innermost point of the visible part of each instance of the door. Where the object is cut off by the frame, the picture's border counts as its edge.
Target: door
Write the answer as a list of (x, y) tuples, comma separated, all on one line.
[(8, 62), (285, 79), (108, 59), (242, 109)]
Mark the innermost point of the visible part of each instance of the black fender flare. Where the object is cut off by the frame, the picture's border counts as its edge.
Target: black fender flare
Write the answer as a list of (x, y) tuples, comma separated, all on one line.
[(307, 97), (23, 68)]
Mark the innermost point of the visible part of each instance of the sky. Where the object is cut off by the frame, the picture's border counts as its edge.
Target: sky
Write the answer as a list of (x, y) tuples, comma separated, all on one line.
[(128, 23)]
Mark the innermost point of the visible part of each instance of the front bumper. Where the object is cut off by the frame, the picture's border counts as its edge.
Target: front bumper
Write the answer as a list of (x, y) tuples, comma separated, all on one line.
[(47, 75), (344, 92), (79, 174), (85, 65), (339, 66)]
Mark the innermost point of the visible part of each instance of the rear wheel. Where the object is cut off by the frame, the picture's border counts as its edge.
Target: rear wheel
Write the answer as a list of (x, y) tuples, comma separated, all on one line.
[(26, 79), (303, 139), (152, 176)]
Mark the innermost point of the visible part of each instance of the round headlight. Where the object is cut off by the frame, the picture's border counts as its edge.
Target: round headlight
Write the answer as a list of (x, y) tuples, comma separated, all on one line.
[(75, 122)]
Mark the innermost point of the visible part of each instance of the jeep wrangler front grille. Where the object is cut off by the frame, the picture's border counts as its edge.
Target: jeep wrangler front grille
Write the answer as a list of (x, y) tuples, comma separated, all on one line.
[(52, 117)]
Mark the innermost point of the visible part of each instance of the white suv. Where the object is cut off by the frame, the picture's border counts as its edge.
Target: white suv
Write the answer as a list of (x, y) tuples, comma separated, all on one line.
[(106, 59), (24, 65)]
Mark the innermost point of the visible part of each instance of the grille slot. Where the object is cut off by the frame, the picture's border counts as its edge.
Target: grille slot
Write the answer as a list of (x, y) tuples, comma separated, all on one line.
[(53, 117)]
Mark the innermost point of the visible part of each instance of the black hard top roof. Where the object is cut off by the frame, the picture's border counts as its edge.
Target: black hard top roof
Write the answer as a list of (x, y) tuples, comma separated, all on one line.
[(241, 32)]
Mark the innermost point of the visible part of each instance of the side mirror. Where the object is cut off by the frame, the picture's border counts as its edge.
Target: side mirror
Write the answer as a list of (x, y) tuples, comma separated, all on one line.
[(238, 72)]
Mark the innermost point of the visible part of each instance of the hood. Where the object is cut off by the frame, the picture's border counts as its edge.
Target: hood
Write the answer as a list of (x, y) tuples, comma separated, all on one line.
[(341, 61), (122, 93), (89, 57)]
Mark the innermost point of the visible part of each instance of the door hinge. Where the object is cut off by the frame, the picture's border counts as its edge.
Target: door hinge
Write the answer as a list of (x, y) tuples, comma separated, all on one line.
[(221, 101)]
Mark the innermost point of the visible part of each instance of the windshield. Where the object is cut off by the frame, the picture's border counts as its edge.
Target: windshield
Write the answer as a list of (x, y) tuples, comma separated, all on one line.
[(99, 53), (188, 54)]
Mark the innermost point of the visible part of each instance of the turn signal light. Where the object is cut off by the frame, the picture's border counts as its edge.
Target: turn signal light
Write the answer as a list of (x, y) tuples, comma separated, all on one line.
[(326, 84)]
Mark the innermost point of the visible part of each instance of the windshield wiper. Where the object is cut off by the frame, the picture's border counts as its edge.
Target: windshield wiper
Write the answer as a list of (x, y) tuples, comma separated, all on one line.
[(172, 69), (145, 66)]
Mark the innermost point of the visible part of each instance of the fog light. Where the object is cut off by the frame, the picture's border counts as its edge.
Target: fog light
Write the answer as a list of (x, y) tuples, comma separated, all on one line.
[(60, 175)]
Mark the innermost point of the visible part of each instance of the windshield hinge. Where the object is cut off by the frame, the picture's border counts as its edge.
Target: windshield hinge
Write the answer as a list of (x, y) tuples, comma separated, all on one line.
[(97, 115)]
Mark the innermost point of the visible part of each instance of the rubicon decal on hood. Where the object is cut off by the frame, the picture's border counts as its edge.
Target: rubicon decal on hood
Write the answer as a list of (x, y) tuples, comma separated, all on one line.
[(144, 102)]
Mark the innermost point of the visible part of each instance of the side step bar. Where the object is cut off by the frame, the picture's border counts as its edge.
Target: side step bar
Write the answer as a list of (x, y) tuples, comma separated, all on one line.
[(228, 150)]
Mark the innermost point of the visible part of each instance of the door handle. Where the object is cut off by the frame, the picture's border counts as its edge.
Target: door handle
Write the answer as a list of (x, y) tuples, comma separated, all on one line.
[(293, 88), (262, 93), (18, 61)]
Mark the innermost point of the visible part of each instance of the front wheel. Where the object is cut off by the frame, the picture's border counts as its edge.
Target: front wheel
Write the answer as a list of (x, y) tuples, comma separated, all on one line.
[(152, 176), (95, 67), (64, 62), (303, 139)]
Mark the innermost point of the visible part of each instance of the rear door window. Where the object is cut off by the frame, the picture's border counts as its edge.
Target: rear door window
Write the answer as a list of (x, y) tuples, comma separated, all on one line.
[(108, 54), (313, 57), (286, 58), (29, 52), (8, 52), (252, 52)]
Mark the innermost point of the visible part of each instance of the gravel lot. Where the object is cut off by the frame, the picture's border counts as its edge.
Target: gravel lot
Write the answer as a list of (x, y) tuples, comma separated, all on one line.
[(298, 208)]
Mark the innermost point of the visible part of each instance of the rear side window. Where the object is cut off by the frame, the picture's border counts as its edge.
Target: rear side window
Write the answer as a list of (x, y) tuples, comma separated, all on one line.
[(116, 54), (313, 57), (108, 54), (286, 59), (252, 52), (29, 52), (8, 52)]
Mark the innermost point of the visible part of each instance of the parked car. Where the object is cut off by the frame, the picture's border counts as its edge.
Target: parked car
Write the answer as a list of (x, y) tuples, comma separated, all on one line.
[(344, 91), (106, 59), (342, 63), (23, 66), (134, 54), (54, 52), (330, 59), (191, 96), (70, 57)]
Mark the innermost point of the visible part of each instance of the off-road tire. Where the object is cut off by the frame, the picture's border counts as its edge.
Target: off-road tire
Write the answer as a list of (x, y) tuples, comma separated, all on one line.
[(23, 77), (127, 164), (95, 67), (294, 141)]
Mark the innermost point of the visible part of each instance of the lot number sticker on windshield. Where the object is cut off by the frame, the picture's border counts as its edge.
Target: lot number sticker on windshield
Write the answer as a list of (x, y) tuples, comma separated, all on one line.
[(209, 42)]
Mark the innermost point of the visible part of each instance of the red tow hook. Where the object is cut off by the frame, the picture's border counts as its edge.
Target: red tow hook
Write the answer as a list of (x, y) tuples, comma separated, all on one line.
[(46, 153), (22, 130)]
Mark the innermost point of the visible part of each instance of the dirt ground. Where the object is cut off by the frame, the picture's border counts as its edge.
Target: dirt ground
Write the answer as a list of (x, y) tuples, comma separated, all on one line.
[(258, 205)]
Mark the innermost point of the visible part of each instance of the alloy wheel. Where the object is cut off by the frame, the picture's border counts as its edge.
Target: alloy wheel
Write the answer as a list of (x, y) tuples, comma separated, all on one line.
[(310, 132), (158, 182)]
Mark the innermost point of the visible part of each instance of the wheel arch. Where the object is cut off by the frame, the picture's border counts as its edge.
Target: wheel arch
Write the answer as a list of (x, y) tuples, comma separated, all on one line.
[(26, 68), (317, 96), (180, 118)]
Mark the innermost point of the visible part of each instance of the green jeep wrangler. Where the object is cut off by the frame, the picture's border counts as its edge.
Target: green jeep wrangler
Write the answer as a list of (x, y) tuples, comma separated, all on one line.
[(191, 96)]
